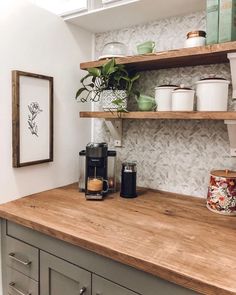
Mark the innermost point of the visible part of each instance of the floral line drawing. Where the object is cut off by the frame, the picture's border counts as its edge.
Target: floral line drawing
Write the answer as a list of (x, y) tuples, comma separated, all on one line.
[(34, 109)]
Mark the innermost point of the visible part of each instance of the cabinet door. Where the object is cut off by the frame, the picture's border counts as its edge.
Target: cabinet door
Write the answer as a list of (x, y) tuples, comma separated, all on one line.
[(105, 287), (59, 277)]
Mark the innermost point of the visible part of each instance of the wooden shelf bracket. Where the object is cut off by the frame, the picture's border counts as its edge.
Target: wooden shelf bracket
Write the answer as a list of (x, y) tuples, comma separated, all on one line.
[(115, 128), (231, 126), (232, 60)]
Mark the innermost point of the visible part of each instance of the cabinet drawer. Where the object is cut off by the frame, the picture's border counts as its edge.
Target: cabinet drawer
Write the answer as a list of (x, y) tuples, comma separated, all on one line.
[(17, 283), (22, 257), (101, 286)]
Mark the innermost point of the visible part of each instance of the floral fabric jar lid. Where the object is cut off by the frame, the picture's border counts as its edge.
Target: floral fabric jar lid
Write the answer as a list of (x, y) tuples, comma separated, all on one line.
[(224, 173)]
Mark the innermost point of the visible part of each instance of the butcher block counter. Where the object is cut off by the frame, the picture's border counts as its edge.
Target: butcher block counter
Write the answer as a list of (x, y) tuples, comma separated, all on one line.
[(171, 236)]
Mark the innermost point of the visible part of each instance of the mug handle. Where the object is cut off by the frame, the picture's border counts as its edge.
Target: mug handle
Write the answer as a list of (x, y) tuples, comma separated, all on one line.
[(104, 192)]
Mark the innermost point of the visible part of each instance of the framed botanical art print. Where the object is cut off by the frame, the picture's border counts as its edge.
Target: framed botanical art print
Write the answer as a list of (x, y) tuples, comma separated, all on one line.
[(32, 118)]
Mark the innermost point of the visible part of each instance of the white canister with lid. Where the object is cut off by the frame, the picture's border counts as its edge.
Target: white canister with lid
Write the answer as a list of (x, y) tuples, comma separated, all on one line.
[(163, 97), (195, 38), (182, 99), (212, 94)]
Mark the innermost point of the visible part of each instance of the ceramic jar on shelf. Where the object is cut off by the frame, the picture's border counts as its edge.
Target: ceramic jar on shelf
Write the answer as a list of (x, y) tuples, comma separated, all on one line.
[(212, 94), (195, 38), (163, 97), (183, 99), (221, 197)]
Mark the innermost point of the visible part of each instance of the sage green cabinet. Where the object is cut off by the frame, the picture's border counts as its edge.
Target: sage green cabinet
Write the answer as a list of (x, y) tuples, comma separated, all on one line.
[(59, 277), (105, 287), (35, 263)]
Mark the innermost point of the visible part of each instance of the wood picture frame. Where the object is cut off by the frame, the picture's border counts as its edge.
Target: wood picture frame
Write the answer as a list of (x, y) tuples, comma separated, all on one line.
[(32, 118)]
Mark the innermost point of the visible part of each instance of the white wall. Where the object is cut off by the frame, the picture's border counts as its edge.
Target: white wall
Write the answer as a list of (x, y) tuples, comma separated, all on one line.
[(34, 40)]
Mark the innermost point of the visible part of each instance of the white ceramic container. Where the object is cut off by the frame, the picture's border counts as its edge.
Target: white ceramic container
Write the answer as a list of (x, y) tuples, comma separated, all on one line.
[(163, 97), (212, 94), (182, 99), (195, 38)]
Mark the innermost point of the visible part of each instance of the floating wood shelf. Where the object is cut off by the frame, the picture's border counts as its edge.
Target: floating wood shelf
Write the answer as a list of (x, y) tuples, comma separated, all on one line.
[(162, 115), (210, 54), (114, 121)]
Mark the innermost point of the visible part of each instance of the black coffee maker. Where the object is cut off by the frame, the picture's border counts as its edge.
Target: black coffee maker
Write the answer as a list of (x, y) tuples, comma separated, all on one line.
[(97, 170)]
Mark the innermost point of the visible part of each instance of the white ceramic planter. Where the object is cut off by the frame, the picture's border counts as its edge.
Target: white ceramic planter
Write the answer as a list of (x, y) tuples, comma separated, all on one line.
[(108, 96), (212, 94), (182, 99), (163, 97)]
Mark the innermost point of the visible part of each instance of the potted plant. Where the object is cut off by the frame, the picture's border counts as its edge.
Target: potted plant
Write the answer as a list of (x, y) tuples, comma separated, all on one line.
[(110, 83)]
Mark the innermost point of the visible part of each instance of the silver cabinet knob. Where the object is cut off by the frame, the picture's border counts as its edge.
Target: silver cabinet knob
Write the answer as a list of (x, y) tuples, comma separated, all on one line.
[(82, 291)]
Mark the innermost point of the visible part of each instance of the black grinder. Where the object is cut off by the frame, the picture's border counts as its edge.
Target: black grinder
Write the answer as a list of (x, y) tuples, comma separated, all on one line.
[(128, 180)]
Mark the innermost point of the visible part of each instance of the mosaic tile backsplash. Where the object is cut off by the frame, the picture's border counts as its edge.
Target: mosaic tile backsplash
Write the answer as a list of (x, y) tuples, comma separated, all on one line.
[(171, 155)]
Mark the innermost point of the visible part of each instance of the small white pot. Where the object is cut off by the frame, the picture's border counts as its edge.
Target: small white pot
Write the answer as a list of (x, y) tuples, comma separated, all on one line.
[(195, 38), (163, 97), (182, 99), (212, 94), (194, 42), (108, 96)]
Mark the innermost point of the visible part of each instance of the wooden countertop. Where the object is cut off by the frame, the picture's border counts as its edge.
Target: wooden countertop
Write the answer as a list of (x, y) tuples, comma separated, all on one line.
[(168, 235)]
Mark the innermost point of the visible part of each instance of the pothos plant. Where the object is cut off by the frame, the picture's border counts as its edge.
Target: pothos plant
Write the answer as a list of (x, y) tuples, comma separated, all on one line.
[(110, 76)]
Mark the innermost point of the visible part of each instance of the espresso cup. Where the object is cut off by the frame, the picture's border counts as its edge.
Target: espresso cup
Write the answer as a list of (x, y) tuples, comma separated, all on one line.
[(145, 103), (146, 47), (95, 185)]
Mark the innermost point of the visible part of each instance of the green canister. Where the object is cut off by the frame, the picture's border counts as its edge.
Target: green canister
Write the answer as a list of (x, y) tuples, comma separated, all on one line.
[(212, 21), (227, 24)]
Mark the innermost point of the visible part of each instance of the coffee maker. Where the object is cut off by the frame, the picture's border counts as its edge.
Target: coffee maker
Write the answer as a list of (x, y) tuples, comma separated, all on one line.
[(97, 162)]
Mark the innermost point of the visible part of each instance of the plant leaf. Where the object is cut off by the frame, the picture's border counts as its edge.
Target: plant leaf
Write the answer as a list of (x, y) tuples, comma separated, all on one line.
[(136, 77), (90, 85), (95, 72), (108, 66), (78, 93), (117, 101), (121, 110), (126, 78), (85, 77), (93, 79)]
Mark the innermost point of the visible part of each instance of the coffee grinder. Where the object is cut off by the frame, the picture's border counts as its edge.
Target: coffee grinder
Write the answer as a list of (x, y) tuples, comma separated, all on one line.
[(128, 180), (96, 169)]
